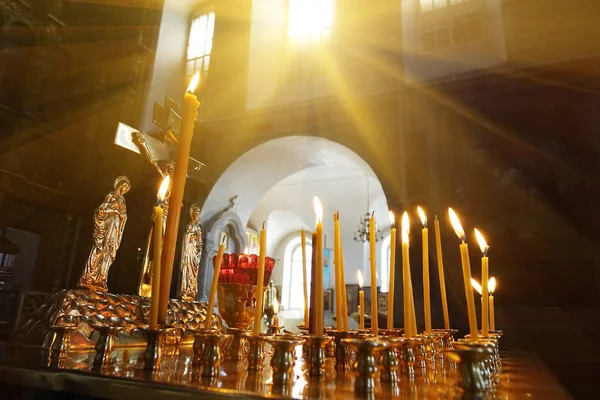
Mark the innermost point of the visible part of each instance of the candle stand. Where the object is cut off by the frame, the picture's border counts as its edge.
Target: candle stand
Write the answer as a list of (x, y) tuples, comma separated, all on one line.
[(316, 353), (154, 347), (342, 353), (61, 342), (238, 345), (390, 362), (282, 361), (207, 351), (105, 343), (256, 352), (367, 362)]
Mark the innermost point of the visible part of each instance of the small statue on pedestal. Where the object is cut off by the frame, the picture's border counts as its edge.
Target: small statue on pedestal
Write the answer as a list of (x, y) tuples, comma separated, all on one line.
[(109, 221), (190, 256)]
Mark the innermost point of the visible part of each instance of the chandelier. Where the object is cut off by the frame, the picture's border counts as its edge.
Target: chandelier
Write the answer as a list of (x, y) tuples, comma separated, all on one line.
[(363, 231)]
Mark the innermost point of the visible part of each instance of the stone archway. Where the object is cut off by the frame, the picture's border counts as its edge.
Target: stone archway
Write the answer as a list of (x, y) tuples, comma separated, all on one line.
[(255, 177), (226, 221)]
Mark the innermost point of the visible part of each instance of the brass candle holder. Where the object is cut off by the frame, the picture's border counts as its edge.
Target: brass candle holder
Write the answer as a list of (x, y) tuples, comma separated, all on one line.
[(61, 343), (207, 351), (282, 361), (408, 359), (470, 356), (238, 347), (105, 343), (315, 360), (367, 360), (429, 350), (390, 363), (342, 354), (256, 352), (155, 344), (420, 350)]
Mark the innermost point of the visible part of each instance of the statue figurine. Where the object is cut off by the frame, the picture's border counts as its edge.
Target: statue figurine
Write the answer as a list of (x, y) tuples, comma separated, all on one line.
[(145, 287), (109, 221), (190, 255)]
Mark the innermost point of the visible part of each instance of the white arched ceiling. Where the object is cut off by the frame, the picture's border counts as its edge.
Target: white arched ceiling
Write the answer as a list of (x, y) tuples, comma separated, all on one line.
[(275, 183), (253, 174)]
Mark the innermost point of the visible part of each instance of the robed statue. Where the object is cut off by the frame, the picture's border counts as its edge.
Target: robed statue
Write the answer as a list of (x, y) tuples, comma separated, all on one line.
[(109, 221), (190, 255)]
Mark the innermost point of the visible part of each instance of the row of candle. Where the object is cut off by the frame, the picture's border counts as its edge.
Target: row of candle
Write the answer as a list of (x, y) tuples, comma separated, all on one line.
[(409, 306)]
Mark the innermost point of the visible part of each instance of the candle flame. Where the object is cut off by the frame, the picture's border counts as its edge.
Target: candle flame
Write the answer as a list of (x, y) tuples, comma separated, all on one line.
[(245, 250), (422, 216), (405, 227), (360, 279), (476, 286), (492, 285), (482, 244), (164, 186), (275, 306), (392, 220), (194, 82), (456, 224), (318, 209)]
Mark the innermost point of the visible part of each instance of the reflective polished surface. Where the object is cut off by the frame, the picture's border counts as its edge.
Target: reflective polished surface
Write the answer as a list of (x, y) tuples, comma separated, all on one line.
[(124, 377)]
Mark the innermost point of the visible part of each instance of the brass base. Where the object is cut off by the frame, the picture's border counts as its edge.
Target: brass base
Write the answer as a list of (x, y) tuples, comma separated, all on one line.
[(83, 308), (256, 352), (207, 351), (155, 344), (315, 346), (238, 345), (105, 343), (473, 375), (390, 363), (366, 366), (282, 361)]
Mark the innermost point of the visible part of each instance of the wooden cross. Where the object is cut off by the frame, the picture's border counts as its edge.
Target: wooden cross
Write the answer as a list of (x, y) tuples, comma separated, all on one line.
[(158, 144)]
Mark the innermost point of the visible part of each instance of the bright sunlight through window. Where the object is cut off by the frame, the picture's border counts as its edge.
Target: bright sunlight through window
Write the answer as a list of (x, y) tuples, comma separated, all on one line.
[(200, 43), (310, 19)]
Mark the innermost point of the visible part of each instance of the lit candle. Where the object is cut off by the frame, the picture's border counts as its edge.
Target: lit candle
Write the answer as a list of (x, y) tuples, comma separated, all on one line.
[(304, 276), (466, 267), (312, 317), (361, 301), (339, 321), (492, 289), (158, 245), (484, 278), (426, 285), (409, 324), (373, 258), (318, 278), (184, 143), (391, 285), (213, 286), (438, 247), (259, 294)]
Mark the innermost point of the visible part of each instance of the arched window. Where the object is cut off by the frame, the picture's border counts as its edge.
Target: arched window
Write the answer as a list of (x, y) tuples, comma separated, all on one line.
[(200, 43), (292, 290), (385, 264)]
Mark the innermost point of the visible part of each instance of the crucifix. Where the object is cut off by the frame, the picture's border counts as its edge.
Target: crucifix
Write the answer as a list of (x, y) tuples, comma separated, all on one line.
[(157, 146)]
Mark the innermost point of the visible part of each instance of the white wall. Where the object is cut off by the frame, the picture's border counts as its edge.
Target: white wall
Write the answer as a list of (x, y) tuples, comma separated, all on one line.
[(423, 66), (168, 72)]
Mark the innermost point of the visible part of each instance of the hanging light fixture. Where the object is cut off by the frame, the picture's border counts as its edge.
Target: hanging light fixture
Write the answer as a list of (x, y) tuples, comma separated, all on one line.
[(362, 233)]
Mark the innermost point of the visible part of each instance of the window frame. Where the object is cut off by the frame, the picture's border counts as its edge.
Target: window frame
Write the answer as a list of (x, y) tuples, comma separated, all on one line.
[(205, 57)]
